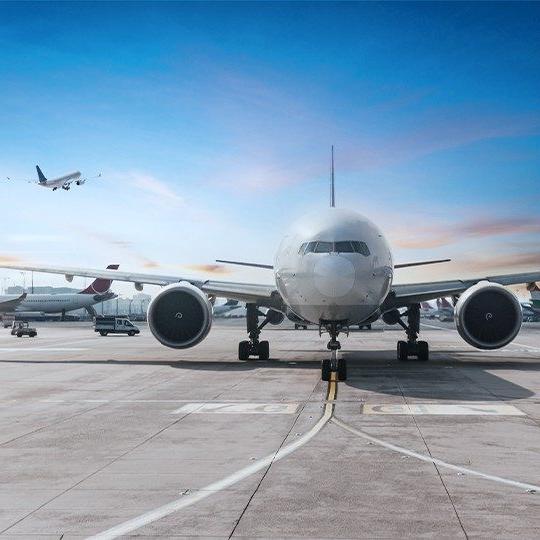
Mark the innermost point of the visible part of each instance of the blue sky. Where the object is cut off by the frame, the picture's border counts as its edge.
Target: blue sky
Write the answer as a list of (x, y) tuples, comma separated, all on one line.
[(212, 123)]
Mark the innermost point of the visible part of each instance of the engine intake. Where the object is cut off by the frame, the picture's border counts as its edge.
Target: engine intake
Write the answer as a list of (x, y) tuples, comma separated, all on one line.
[(488, 316), (180, 316)]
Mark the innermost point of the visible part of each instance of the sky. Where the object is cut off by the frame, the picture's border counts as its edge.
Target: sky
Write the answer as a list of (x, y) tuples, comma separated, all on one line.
[(211, 124)]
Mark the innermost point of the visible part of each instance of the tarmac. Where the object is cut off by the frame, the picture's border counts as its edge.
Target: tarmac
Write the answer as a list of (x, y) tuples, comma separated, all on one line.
[(118, 436)]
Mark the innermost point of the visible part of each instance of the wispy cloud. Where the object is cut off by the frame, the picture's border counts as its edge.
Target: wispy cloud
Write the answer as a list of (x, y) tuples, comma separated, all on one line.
[(150, 185), (9, 259), (437, 236)]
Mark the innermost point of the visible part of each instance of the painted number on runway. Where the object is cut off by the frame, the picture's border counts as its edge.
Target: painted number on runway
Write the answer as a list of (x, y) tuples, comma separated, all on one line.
[(238, 408), (462, 409)]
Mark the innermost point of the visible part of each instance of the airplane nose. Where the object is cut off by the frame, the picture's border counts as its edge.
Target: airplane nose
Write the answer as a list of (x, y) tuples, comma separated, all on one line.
[(334, 276)]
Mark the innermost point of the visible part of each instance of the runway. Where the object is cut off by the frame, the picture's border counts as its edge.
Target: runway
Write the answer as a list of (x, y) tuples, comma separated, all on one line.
[(117, 436)]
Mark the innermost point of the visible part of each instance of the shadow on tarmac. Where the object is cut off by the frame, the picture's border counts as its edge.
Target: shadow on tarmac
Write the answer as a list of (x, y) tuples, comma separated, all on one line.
[(467, 377)]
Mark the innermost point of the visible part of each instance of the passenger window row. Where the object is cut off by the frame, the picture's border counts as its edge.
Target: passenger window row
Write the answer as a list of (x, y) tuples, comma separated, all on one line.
[(352, 246)]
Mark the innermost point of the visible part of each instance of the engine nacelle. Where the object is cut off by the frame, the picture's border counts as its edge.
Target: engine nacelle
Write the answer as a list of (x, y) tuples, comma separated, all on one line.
[(180, 315), (488, 316)]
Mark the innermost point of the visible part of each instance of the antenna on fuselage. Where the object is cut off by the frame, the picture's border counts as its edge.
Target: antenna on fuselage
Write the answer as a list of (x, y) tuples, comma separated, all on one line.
[(332, 193)]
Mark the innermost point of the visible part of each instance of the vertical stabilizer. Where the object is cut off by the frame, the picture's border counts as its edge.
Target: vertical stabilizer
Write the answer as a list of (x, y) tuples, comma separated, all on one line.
[(100, 285), (332, 192), (41, 176)]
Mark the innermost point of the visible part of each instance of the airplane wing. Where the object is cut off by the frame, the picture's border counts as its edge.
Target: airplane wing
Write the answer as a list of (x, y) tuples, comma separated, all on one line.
[(8, 306), (264, 295), (403, 295)]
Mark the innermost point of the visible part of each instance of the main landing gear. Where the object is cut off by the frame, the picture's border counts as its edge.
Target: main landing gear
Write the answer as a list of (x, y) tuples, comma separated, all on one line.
[(333, 364), (412, 347), (254, 347)]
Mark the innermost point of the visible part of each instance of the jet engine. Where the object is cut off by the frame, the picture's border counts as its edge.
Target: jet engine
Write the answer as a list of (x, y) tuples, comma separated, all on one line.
[(488, 316), (180, 315)]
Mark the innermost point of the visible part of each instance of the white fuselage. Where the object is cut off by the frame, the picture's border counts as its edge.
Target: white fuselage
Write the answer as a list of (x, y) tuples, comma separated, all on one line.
[(52, 303), (61, 180), (334, 265)]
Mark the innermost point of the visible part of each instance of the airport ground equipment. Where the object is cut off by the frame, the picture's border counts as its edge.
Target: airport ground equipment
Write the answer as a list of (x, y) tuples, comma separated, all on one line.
[(22, 328), (115, 325)]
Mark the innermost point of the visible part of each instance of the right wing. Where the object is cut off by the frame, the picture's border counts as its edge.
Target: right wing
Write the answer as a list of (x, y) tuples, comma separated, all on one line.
[(263, 295), (7, 306)]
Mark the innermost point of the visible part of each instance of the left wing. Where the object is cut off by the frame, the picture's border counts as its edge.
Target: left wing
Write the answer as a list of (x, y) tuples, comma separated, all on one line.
[(263, 295), (403, 295)]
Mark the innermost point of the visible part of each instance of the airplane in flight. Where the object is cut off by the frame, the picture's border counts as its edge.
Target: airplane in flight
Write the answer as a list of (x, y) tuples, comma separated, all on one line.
[(63, 182), (334, 268), (31, 305)]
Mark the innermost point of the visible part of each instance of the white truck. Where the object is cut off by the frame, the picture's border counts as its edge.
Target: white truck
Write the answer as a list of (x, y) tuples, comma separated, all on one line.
[(115, 325)]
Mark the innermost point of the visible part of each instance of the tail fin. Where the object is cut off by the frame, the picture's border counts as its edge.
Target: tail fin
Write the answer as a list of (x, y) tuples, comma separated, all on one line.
[(41, 176), (100, 285)]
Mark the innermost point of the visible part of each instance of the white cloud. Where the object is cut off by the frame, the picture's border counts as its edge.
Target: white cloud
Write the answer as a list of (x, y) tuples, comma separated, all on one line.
[(151, 185)]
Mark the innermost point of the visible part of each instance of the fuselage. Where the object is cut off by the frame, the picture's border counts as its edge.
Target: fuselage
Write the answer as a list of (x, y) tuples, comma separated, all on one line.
[(61, 180), (334, 266), (56, 303)]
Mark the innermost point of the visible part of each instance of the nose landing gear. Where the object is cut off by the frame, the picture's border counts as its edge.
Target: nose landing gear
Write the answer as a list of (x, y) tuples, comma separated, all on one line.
[(254, 347), (333, 364)]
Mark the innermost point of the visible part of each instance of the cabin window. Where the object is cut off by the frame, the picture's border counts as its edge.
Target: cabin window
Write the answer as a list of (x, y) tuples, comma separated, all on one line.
[(302, 248), (310, 248)]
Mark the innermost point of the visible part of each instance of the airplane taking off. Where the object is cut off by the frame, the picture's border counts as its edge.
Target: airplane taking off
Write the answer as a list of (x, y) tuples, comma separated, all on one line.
[(63, 182), (27, 305), (334, 268)]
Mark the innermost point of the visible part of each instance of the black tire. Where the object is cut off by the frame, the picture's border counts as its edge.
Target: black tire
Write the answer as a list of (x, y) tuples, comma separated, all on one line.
[(264, 350), (325, 370), (296, 326), (32, 334), (342, 369), (131, 334), (102, 333), (402, 351), (243, 350), (19, 335), (423, 351)]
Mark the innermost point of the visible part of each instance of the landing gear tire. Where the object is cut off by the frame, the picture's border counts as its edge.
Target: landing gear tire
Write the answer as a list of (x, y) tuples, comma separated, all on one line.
[(402, 351), (243, 350), (423, 351), (264, 350), (326, 370)]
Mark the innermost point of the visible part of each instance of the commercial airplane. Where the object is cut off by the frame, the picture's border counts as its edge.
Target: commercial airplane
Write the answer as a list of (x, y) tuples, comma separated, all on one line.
[(227, 307), (63, 182), (30, 305), (334, 268)]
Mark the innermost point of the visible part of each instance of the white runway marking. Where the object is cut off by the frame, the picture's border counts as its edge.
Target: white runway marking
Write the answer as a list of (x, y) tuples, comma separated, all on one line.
[(41, 349), (435, 461), (238, 408), (224, 483), (444, 409)]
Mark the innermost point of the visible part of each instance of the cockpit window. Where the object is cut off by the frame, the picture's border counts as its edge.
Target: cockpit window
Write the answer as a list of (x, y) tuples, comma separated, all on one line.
[(361, 247), (343, 247), (324, 247), (353, 246)]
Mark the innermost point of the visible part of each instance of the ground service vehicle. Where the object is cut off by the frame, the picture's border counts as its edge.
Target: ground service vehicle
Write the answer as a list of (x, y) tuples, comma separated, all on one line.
[(115, 325), (22, 328)]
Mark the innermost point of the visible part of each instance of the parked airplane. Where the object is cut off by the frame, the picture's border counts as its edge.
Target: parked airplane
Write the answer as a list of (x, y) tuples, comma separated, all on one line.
[(223, 309), (30, 305), (334, 268)]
